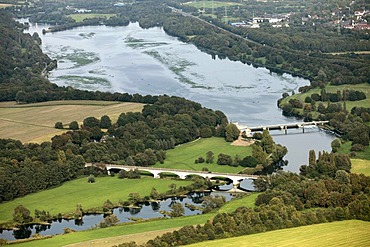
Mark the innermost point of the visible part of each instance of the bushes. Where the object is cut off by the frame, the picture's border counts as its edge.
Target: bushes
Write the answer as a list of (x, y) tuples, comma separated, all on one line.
[(58, 125)]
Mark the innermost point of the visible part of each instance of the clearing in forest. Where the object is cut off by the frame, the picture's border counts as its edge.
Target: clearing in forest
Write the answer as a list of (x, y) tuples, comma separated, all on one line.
[(183, 156)]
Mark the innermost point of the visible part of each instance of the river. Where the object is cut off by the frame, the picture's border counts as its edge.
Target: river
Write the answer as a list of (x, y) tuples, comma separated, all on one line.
[(148, 61), (145, 211)]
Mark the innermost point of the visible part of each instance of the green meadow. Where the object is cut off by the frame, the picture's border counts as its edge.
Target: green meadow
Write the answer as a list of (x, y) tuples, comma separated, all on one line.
[(364, 87), (345, 148), (81, 17), (342, 233), (63, 199), (184, 156), (139, 227)]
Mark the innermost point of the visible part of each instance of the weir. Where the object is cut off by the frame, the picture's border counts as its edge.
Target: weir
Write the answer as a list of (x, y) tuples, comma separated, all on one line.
[(284, 126)]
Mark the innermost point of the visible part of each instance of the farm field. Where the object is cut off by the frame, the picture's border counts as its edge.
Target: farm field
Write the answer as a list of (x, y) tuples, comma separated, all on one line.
[(112, 235), (35, 122), (342, 233), (63, 199), (81, 17), (184, 156)]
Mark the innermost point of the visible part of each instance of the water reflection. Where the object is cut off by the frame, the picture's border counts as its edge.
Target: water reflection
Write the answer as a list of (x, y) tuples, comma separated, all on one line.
[(23, 232), (144, 211)]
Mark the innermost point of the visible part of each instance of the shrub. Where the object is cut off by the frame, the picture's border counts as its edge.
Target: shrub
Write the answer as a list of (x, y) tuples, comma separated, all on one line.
[(358, 147), (74, 125), (58, 125), (200, 160), (91, 179)]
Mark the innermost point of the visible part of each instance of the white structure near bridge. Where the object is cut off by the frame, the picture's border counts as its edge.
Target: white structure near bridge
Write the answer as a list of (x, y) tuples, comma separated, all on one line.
[(183, 174), (284, 126)]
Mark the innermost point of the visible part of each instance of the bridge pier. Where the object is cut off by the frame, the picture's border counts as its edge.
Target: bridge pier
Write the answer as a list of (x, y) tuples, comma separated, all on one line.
[(156, 174)]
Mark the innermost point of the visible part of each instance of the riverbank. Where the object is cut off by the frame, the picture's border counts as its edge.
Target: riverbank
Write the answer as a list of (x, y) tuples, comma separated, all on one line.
[(63, 199), (139, 227)]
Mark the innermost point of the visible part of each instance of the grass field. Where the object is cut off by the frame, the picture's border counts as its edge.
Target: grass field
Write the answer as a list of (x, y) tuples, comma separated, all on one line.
[(81, 17), (345, 148), (35, 122), (64, 198), (360, 166), (135, 228), (210, 4), (237, 203), (333, 89), (184, 156), (342, 233)]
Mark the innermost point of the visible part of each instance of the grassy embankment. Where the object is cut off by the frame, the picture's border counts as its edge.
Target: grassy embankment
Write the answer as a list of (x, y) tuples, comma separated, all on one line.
[(35, 122), (63, 199), (81, 17), (342, 233), (138, 227), (184, 156)]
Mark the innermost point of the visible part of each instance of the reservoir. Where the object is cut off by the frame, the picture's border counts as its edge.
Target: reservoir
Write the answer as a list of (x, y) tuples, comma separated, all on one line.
[(148, 61)]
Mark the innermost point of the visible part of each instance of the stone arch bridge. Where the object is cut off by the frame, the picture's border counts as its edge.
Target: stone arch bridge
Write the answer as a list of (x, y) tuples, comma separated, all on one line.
[(183, 174)]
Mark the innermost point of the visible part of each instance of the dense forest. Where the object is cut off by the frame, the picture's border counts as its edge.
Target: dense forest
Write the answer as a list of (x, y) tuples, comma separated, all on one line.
[(22, 61)]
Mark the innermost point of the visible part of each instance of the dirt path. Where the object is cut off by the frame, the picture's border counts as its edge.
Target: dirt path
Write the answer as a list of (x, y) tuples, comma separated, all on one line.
[(242, 142), (139, 238)]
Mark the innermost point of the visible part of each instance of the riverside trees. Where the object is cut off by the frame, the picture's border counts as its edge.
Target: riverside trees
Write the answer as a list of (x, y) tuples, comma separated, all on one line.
[(282, 205)]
